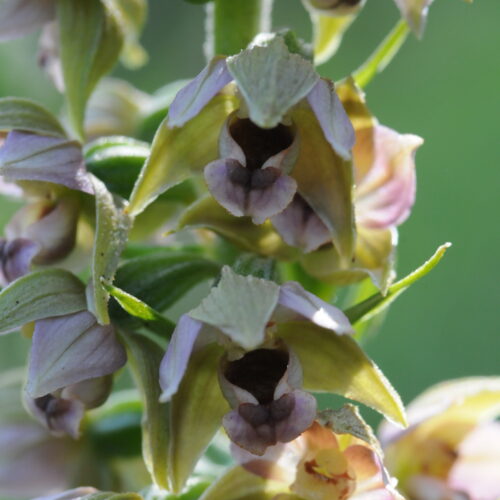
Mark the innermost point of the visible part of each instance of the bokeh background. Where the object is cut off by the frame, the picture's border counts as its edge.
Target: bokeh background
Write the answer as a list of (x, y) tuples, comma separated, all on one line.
[(444, 88)]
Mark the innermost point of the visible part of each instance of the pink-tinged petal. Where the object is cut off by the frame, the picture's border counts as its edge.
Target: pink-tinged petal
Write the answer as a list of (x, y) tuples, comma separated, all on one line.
[(300, 419), (20, 17), (74, 494), (32, 461), (430, 488), (31, 157), (380, 494), (195, 95), (69, 349), (16, 257), (332, 118), (477, 469), (255, 439), (52, 227), (385, 193), (175, 361), (304, 305), (300, 227), (60, 416), (92, 392), (230, 194), (259, 194)]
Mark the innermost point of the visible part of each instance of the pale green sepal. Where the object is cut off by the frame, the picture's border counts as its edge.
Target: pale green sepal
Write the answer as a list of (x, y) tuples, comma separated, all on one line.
[(90, 42), (176, 153), (375, 304), (131, 17), (263, 239), (42, 294), (383, 54), (112, 227), (139, 309), (196, 412), (238, 484), (328, 32), (328, 186), (348, 420), (240, 306), (144, 358), (272, 80), (335, 363), (23, 114)]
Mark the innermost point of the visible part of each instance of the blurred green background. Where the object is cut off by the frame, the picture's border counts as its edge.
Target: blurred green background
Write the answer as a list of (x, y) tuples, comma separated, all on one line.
[(444, 88)]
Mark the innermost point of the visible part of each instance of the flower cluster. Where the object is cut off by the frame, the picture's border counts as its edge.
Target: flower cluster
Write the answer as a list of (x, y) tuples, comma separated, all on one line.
[(277, 186)]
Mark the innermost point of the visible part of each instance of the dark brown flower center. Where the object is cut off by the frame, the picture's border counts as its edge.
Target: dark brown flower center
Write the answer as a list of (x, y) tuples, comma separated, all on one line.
[(259, 144), (258, 372)]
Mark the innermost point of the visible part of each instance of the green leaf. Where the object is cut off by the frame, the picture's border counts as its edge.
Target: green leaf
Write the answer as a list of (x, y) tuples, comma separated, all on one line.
[(196, 412), (90, 44), (138, 309), (250, 265), (162, 279), (383, 55), (375, 304), (117, 161), (112, 227), (240, 306), (206, 213), (115, 428), (42, 294), (177, 153), (272, 80), (144, 359), (23, 114), (336, 364)]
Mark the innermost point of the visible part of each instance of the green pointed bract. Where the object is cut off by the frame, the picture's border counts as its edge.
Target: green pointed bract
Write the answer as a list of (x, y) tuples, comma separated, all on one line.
[(139, 309), (196, 412), (177, 152), (23, 114), (335, 363), (42, 294), (328, 32), (272, 80), (238, 484), (240, 306), (90, 41), (206, 213), (375, 304), (325, 181), (112, 227), (144, 357)]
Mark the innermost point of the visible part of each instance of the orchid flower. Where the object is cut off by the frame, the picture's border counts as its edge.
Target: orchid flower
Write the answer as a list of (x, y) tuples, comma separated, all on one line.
[(266, 127), (260, 342), (384, 193), (50, 169), (336, 458), (71, 359), (451, 449)]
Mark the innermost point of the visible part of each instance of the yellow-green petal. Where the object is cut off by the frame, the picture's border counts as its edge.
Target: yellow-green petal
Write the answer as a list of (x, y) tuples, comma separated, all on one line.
[(177, 152), (335, 363)]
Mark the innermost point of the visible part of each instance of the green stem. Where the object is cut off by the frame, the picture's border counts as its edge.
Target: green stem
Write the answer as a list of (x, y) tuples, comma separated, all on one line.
[(383, 54), (232, 24)]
